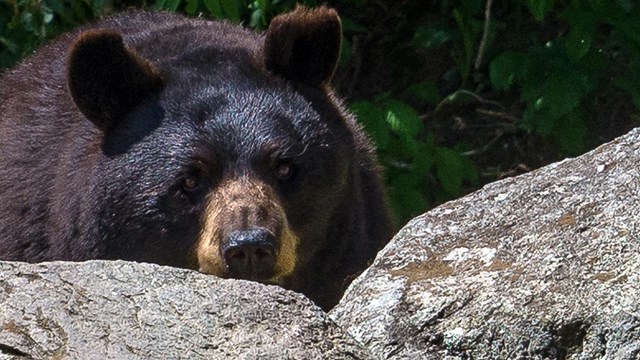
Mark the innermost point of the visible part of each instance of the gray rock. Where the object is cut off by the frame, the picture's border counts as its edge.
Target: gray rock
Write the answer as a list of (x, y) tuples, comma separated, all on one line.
[(542, 266), (121, 310)]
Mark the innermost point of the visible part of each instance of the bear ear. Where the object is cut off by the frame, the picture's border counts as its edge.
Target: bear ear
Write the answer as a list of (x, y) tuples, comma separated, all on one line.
[(304, 45), (106, 80)]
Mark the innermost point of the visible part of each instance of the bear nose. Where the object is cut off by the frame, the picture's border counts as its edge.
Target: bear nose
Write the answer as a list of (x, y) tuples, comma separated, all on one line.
[(250, 254)]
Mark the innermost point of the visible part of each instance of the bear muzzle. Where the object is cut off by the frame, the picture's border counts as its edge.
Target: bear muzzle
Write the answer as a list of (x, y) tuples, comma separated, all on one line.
[(245, 234)]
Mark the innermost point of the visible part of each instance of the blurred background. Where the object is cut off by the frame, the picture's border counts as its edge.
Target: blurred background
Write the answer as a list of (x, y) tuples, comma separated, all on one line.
[(455, 93)]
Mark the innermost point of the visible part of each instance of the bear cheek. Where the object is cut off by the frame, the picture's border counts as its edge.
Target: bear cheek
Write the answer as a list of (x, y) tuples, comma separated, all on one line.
[(287, 255), (207, 248)]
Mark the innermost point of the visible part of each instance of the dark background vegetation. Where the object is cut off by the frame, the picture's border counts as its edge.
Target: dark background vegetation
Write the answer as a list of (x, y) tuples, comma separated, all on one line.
[(455, 93)]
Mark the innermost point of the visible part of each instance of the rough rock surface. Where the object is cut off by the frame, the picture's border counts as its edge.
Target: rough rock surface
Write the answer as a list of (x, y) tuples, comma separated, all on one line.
[(542, 266), (120, 310)]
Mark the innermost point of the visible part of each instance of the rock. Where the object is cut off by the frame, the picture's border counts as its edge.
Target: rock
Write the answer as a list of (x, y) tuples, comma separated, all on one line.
[(542, 266), (116, 310)]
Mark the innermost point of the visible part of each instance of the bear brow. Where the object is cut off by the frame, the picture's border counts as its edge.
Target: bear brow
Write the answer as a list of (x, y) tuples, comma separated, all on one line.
[(204, 105), (288, 151)]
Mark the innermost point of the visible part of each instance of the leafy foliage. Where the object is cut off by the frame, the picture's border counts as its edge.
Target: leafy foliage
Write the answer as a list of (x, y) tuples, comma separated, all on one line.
[(559, 78), (455, 93), (26, 24)]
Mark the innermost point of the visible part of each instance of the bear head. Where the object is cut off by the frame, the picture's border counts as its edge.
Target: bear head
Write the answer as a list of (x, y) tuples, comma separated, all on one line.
[(230, 156)]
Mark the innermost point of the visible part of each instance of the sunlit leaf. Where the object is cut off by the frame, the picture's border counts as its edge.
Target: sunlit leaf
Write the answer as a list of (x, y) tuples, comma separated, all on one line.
[(402, 118)]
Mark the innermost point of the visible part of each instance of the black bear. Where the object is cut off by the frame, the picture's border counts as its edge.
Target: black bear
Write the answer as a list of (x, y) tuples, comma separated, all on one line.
[(191, 143)]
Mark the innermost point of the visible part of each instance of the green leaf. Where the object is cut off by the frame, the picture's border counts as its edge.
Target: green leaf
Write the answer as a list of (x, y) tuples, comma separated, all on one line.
[(214, 8), (8, 45), (257, 20), (630, 85), (464, 58), (59, 9), (503, 70), (570, 132), (597, 5), (263, 5), (578, 44), (582, 25), (423, 158), (540, 8), (232, 9), (29, 23), (430, 38), (402, 118), (427, 92), (406, 199), (560, 94), (79, 12), (461, 98), (47, 17), (98, 6), (450, 170), (374, 122), (192, 7), (171, 5), (564, 90), (628, 25)]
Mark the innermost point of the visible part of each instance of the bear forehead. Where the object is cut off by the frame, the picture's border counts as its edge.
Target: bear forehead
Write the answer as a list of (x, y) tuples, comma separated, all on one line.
[(250, 107), (259, 121)]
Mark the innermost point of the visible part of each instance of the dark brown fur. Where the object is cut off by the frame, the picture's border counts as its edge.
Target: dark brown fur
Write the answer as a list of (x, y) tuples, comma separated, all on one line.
[(158, 137)]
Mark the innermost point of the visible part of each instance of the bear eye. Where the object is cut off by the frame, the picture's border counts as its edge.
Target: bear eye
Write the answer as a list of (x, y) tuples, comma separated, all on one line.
[(193, 181), (284, 170)]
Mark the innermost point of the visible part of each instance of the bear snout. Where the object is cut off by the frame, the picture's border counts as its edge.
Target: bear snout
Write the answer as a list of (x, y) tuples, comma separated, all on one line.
[(250, 254), (245, 234)]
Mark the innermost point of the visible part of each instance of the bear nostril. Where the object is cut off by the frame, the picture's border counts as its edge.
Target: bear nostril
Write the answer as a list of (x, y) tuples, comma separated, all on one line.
[(263, 253), (250, 254), (236, 254)]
